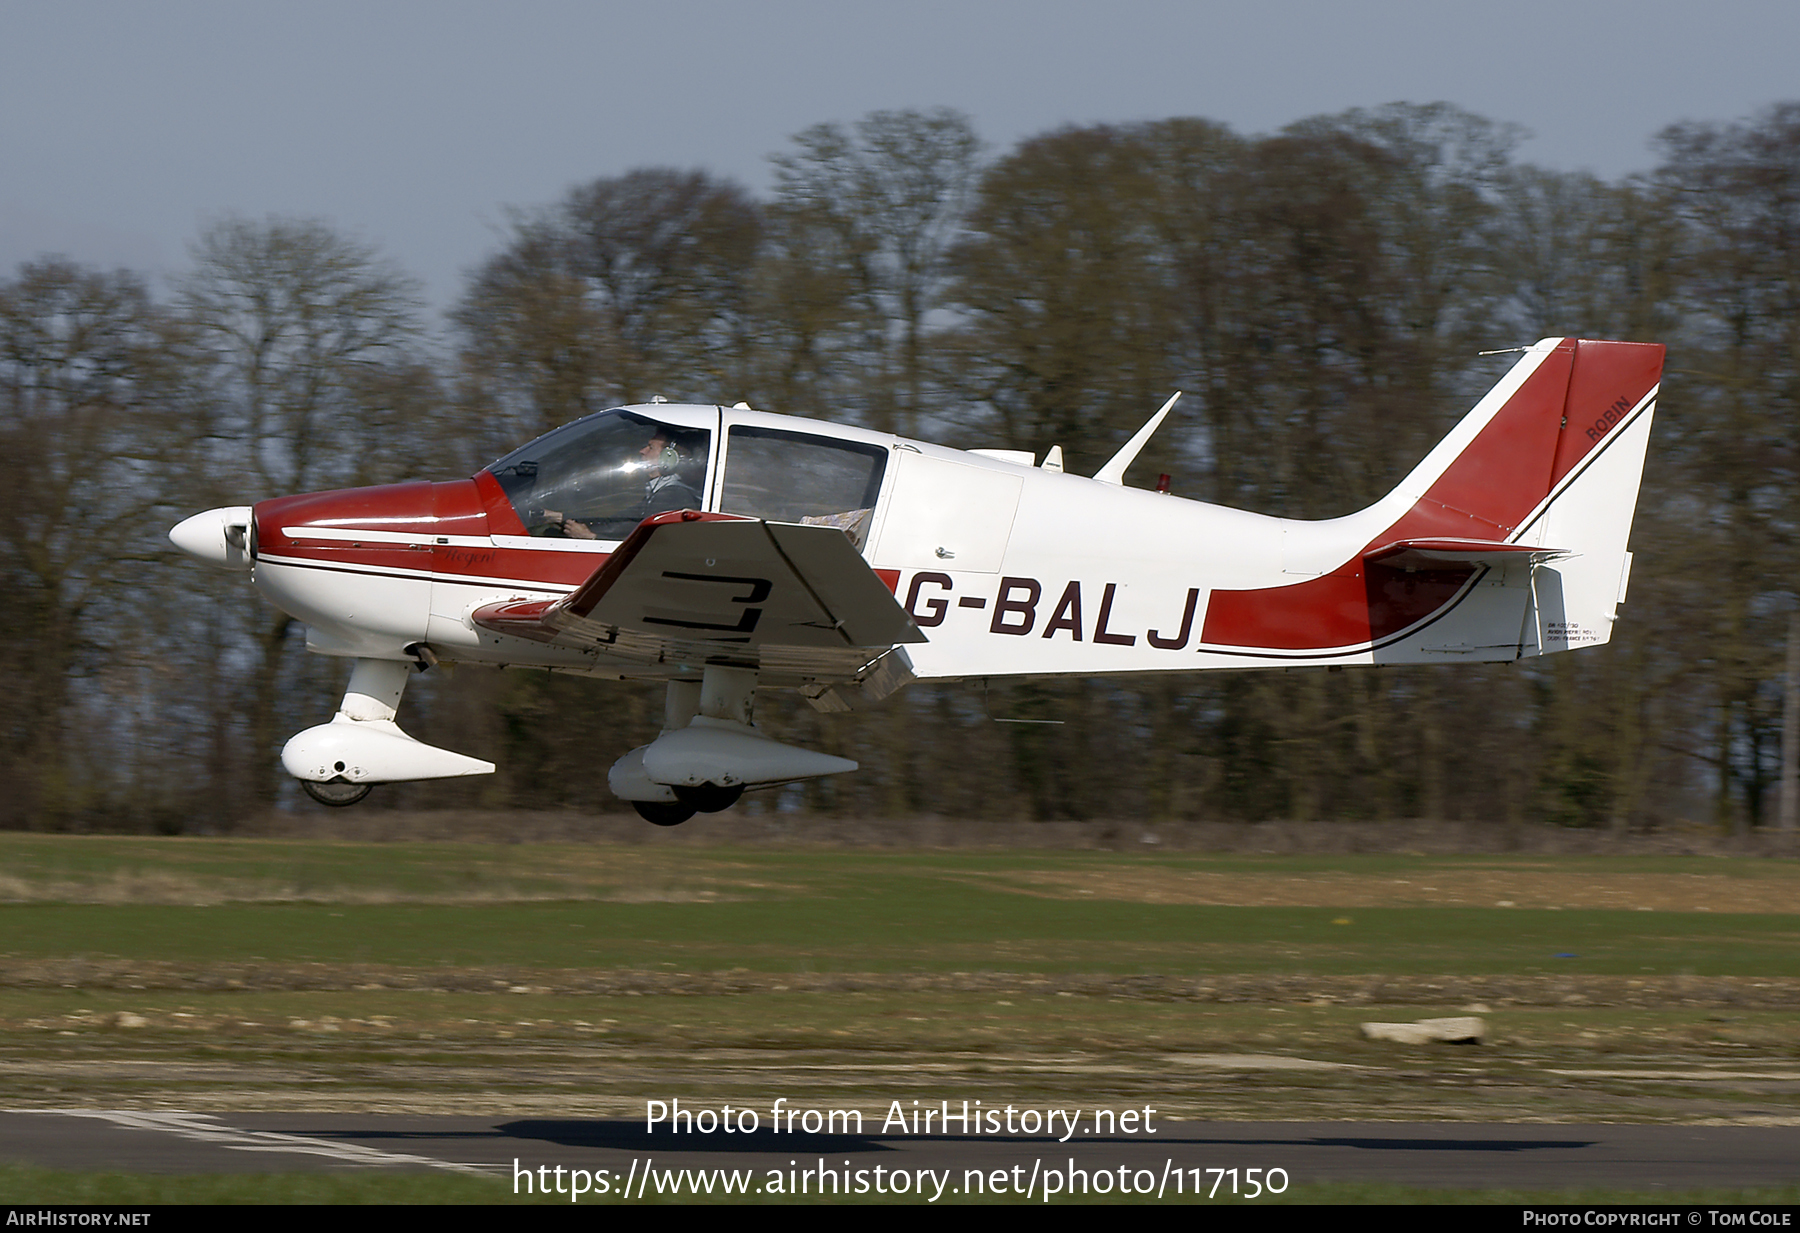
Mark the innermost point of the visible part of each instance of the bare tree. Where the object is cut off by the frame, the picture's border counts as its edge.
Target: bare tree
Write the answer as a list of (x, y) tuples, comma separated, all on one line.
[(1064, 322), (667, 259), (633, 286), (83, 432), (532, 345), (1733, 190), (868, 213), (308, 348), (301, 330)]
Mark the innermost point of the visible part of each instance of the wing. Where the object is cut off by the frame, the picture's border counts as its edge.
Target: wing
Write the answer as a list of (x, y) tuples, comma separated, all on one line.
[(794, 601)]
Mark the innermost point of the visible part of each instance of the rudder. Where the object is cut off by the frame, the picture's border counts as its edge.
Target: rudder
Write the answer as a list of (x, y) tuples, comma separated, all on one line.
[(1593, 496)]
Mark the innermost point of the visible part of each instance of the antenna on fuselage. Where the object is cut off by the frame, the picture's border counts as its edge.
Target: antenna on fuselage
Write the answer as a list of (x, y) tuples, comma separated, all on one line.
[(1114, 471)]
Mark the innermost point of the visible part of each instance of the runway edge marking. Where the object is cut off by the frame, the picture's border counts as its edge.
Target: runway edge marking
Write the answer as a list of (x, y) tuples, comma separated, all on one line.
[(193, 1126)]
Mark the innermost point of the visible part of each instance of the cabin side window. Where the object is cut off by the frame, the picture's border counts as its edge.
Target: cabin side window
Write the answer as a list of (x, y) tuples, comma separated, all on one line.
[(794, 477)]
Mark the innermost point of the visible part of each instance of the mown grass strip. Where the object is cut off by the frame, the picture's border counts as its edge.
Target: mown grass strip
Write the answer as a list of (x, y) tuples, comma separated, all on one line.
[(918, 925)]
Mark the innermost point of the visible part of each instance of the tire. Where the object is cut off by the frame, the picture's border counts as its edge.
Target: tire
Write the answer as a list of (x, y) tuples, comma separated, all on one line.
[(336, 792), (709, 797), (663, 813)]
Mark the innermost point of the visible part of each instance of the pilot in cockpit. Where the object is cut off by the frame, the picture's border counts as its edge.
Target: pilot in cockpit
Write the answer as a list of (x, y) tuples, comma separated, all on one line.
[(664, 463)]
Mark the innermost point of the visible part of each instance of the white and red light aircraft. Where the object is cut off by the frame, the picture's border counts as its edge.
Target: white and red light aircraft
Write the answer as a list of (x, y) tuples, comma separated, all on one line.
[(722, 550)]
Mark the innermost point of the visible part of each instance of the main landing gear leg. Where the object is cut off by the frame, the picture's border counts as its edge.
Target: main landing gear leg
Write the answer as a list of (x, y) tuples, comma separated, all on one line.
[(681, 703), (720, 693), (373, 695), (725, 693)]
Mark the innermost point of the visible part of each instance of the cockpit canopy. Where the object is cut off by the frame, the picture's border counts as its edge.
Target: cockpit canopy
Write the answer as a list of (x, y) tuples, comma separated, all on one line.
[(602, 475)]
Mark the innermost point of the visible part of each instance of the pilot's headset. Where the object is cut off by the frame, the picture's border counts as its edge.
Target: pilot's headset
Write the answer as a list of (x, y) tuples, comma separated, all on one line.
[(683, 454)]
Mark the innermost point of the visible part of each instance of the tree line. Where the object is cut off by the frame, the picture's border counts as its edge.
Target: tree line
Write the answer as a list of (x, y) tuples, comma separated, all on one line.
[(1323, 294)]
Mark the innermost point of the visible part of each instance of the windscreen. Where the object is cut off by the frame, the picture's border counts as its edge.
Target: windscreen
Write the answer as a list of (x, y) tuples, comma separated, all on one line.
[(600, 476)]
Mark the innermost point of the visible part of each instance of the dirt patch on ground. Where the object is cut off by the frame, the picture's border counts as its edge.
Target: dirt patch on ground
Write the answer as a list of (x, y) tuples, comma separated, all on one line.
[(1520, 886)]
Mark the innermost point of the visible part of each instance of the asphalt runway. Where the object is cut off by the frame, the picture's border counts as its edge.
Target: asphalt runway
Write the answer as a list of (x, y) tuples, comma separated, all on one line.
[(615, 1155)]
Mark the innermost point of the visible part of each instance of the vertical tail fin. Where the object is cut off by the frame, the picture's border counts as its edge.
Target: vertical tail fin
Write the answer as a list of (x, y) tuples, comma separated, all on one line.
[(1561, 405), (1507, 540), (1550, 460)]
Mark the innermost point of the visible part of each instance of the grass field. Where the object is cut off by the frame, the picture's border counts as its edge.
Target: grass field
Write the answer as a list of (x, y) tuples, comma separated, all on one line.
[(583, 978)]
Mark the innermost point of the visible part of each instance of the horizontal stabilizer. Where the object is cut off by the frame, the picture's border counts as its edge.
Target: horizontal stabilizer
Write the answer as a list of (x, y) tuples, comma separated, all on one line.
[(1457, 554)]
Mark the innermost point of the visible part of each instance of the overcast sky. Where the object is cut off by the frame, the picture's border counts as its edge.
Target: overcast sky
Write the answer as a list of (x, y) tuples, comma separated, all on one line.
[(126, 127)]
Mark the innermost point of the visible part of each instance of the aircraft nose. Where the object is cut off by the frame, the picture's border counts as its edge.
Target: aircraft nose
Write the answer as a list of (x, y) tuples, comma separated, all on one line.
[(218, 536)]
